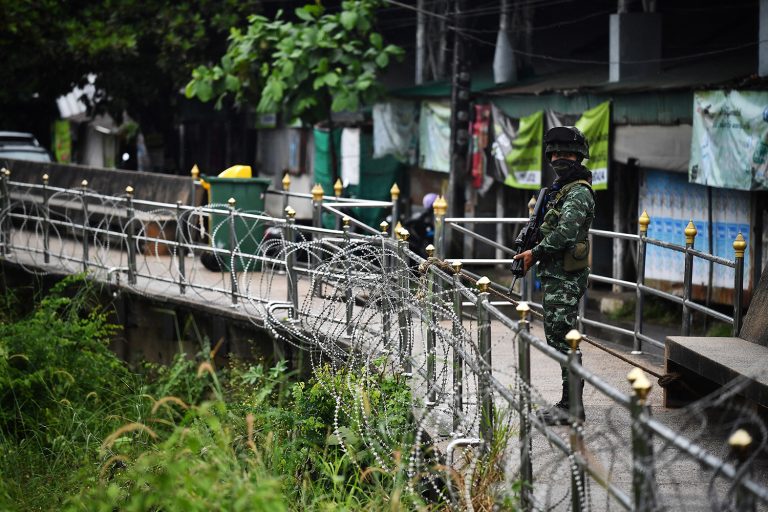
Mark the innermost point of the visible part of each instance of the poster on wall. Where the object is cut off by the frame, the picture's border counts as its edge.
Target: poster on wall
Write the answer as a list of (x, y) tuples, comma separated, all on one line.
[(516, 149), (670, 201), (595, 124), (435, 136), (729, 143)]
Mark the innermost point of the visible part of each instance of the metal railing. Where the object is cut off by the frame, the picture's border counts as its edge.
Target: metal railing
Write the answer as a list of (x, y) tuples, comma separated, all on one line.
[(642, 290), (425, 291)]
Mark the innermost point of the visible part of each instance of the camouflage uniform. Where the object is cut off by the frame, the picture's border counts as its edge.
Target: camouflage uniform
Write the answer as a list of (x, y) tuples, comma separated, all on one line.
[(562, 288)]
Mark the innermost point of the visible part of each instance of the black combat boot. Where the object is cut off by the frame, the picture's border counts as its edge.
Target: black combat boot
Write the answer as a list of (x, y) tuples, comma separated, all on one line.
[(559, 414)]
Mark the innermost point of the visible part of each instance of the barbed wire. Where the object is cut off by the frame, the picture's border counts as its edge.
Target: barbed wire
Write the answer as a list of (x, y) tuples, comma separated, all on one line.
[(364, 310)]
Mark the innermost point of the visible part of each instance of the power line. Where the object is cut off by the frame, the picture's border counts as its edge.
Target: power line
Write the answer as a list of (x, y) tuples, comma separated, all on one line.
[(553, 58)]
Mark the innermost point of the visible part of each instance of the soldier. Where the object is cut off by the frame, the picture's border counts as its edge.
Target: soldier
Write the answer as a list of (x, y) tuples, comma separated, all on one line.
[(563, 250)]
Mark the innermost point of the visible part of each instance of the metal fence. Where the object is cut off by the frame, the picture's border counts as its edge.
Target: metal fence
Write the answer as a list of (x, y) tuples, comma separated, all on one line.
[(429, 319), (641, 241)]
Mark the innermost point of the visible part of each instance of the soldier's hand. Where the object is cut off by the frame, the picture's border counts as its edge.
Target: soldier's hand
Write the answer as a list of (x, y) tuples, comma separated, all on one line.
[(527, 257)]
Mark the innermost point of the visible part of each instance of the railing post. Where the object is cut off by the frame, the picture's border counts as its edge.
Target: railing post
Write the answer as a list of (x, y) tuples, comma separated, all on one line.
[(286, 189), (440, 207), (181, 249), (403, 315), (394, 194), (385, 272), (643, 472), (338, 188), (233, 249), (430, 314), (458, 360), (317, 205), (643, 223), (290, 262), (130, 240), (690, 238), (86, 242), (349, 300), (740, 443), (317, 222), (5, 231), (739, 246), (576, 410), (484, 346), (529, 280), (524, 369), (195, 174), (46, 221)]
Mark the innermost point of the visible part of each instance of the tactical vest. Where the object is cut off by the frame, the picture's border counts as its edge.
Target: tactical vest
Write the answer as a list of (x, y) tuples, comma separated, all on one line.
[(577, 257)]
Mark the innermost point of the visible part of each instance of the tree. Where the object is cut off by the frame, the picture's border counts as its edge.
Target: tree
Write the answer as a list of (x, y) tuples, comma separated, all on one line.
[(141, 54), (306, 69)]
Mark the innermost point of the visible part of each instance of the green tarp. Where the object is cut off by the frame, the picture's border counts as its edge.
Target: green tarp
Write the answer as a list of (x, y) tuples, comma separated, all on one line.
[(376, 177)]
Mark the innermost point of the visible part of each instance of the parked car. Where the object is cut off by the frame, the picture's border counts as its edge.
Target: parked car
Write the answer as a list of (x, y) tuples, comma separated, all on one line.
[(22, 146)]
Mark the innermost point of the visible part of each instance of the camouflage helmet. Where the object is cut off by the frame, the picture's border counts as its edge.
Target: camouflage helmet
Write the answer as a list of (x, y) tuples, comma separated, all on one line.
[(566, 139)]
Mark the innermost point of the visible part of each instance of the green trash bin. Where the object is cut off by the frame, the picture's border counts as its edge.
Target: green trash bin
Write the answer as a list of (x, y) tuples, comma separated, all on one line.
[(249, 194)]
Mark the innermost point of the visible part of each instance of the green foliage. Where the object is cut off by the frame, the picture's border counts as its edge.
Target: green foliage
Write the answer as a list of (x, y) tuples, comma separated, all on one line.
[(141, 53), (54, 360), (80, 432), (204, 464), (323, 62)]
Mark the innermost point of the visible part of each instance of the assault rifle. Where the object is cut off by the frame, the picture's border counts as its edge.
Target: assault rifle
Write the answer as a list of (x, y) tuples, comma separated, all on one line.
[(528, 237)]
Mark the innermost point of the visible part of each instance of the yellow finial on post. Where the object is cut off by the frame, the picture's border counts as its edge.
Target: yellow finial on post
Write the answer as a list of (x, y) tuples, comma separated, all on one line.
[(739, 245), (440, 206), (384, 227), (573, 338), (403, 234), (287, 182), (129, 190), (483, 284), (430, 249), (644, 221), (740, 440), (634, 374), (84, 183), (523, 308), (338, 187), (394, 192), (690, 233), (195, 172), (642, 386), (290, 212), (456, 266), (317, 193), (45, 179)]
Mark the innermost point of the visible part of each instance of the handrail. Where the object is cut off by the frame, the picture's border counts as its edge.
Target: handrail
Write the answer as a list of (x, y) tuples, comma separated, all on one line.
[(383, 259)]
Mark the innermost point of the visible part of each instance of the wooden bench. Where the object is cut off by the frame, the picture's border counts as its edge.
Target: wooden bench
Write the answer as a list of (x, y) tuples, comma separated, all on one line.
[(698, 365)]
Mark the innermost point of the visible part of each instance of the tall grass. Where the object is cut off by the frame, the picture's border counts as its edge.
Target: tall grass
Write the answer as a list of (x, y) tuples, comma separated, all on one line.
[(80, 431)]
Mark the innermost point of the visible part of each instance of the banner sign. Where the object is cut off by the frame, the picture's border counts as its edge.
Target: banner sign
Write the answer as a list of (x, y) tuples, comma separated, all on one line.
[(435, 136), (62, 141), (729, 145), (517, 149), (595, 124)]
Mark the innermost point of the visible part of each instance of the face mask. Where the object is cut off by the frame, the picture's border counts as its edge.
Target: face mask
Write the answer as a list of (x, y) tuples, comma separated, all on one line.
[(563, 167)]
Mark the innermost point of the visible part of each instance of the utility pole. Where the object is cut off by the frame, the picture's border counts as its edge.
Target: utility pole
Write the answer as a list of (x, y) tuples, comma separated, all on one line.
[(460, 88), (420, 42)]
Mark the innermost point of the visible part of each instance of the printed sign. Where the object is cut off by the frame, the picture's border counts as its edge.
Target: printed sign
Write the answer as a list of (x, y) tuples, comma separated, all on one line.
[(729, 145)]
